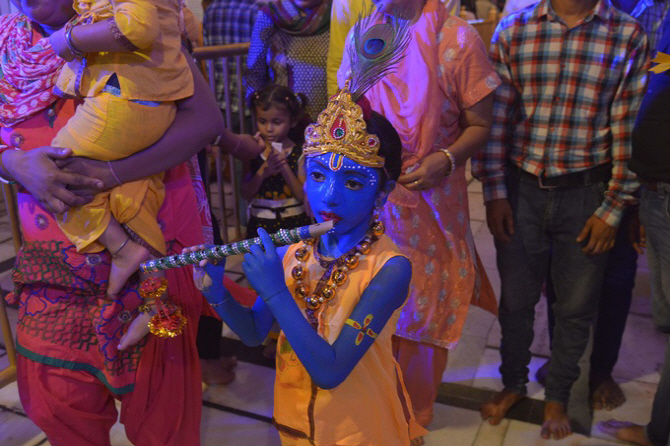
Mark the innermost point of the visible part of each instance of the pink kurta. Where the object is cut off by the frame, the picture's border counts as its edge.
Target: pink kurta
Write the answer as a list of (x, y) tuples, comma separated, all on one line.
[(446, 70)]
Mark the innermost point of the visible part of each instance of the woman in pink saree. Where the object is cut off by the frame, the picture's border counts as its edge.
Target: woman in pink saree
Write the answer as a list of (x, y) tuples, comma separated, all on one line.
[(439, 100)]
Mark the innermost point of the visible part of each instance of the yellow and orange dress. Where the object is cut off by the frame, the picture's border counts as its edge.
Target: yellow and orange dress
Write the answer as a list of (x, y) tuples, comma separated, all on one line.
[(128, 105), (367, 408)]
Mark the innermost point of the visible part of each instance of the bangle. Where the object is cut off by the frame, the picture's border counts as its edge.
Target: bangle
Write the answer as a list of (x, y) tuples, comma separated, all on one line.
[(118, 182), (3, 168), (70, 43), (226, 298), (216, 304), (452, 161)]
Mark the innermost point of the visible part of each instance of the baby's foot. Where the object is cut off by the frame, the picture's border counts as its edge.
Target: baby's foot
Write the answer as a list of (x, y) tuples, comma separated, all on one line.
[(138, 329), (125, 261)]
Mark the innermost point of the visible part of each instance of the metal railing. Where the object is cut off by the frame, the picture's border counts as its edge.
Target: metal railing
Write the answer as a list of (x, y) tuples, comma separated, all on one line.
[(235, 53), (8, 374)]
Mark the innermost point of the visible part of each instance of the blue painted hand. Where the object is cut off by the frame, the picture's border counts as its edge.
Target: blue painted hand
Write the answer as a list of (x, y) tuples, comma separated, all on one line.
[(264, 269)]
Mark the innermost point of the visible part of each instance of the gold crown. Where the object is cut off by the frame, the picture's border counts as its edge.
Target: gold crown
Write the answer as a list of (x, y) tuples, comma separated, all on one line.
[(341, 129)]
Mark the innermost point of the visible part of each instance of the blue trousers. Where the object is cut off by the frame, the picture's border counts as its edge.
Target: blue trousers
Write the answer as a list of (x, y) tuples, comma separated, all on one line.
[(547, 223), (615, 300), (655, 216)]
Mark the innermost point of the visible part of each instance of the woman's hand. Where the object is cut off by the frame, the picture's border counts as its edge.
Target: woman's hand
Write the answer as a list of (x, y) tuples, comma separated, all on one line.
[(91, 168), (38, 172), (243, 147), (429, 173), (264, 270)]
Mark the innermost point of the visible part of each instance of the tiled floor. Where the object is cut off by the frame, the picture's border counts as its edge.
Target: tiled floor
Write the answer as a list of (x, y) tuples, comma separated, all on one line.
[(237, 414)]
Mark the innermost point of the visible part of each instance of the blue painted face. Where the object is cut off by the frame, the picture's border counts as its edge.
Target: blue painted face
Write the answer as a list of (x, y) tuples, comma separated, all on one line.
[(342, 190)]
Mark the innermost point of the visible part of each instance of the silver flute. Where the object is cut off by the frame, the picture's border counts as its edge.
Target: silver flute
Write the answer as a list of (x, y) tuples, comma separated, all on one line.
[(280, 238)]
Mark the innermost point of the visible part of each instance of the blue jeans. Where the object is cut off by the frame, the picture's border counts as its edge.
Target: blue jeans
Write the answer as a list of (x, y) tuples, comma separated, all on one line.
[(655, 216), (546, 223), (615, 300)]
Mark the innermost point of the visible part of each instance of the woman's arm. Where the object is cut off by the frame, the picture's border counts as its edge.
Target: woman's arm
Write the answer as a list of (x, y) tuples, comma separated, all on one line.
[(197, 123), (327, 364), (476, 124), (37, 172)]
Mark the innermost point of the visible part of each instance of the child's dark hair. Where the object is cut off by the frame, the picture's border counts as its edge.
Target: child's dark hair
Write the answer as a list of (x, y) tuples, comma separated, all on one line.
[(294, 103), (390, 146)]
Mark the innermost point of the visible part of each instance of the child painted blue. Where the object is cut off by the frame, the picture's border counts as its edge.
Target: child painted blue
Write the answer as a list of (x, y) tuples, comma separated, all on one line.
[(337, 298)]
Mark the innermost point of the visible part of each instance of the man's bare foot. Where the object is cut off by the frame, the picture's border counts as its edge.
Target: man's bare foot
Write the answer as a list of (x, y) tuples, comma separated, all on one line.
[(138, 329), (497, 407), (556, 423), (606, 394), (125, 262), (418, 441), (625, 431), (217, 371)]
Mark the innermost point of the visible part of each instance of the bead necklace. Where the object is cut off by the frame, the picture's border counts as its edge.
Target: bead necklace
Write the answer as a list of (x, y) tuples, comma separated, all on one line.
[(335, 270)]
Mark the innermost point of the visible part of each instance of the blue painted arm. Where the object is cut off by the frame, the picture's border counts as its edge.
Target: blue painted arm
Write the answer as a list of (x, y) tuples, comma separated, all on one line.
[(252, 325), (328, 365)]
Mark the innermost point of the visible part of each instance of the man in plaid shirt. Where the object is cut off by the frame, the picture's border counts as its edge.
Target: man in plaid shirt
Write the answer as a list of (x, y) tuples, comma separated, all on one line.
[(555, 178)]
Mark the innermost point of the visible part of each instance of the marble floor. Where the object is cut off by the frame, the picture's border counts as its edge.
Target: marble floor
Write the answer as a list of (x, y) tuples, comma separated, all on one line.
[(238, 414)]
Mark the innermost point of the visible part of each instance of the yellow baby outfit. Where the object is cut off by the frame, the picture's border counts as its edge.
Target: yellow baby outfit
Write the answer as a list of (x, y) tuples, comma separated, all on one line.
[(128, 106), (367, 407)]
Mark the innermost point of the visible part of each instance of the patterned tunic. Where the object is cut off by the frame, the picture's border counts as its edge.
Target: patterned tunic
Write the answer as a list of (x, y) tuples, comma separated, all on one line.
[(298, 62)]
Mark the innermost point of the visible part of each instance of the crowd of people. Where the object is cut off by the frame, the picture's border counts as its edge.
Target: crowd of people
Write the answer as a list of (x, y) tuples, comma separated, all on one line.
[(368, 114)]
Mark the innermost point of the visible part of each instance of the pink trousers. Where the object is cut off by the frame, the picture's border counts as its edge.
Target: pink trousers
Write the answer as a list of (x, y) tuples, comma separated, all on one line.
[(422, 367)]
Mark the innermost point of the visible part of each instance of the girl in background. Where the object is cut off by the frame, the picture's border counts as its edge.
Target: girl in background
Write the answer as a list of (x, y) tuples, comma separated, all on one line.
[(272, 186)]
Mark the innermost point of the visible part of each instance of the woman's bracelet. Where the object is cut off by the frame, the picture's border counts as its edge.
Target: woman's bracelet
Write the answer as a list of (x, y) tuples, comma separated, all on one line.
[(70, 43), (452, 161)]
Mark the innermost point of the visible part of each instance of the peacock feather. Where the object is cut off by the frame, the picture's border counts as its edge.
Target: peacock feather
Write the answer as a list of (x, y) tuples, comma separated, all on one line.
[(375, 50)]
